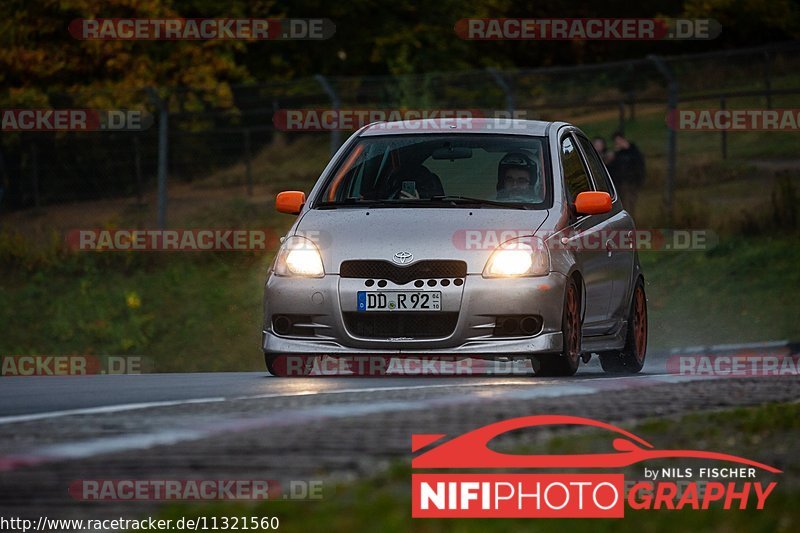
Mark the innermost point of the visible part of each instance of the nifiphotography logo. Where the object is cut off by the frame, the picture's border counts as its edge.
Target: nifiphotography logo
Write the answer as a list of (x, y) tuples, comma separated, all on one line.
[(505, 494)]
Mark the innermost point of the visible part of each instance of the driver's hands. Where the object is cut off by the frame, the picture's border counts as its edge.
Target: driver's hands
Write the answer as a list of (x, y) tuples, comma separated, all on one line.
[(405, 195)]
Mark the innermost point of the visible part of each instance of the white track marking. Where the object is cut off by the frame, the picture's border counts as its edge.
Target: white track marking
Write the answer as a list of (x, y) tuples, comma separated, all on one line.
[(725, 347), (149, 405), (89, 448), (530, 381), (92, 447), (102, 410)]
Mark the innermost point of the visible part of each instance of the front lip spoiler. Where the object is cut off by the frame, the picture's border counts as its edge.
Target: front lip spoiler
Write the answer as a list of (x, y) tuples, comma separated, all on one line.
[(543, 343)]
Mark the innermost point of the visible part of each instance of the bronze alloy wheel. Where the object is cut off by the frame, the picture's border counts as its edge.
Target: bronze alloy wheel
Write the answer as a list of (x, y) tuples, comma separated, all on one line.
[(640, 324), (572, 326), (631, 359), (565, 363)]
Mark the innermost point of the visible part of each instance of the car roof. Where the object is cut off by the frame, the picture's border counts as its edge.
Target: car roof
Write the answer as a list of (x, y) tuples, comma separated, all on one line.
[(454, 125)]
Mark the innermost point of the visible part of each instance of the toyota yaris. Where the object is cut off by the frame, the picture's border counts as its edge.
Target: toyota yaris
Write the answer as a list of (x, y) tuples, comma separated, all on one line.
[(470, 238)]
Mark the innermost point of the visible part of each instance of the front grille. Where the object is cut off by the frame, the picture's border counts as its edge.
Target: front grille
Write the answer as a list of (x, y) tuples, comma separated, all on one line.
[(412, 325), (375, 269)]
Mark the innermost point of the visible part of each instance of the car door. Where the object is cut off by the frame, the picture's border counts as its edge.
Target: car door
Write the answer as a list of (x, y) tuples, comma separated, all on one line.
[(585, 236), (619, 242)]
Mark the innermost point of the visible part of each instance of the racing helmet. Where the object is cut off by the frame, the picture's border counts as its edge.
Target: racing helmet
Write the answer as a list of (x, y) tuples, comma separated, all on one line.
[(516, 160)]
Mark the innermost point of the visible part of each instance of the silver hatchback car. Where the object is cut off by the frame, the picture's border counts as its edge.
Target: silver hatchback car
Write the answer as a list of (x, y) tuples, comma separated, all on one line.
[(478, 238)]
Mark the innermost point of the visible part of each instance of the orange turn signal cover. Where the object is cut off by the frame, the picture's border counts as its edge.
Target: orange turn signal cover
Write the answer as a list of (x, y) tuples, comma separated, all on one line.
[(593, 203), (290, 202)]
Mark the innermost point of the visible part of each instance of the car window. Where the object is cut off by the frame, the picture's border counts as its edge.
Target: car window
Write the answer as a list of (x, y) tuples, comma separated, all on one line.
[(469, 176), (576, 178), (596, 166), (395, 169)]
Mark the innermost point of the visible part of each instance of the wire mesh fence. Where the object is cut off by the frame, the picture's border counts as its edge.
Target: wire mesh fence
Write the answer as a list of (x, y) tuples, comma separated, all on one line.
[(204, 138)]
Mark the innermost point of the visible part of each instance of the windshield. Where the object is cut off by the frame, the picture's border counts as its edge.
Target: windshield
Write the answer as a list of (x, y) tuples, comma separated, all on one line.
[(436, 170)]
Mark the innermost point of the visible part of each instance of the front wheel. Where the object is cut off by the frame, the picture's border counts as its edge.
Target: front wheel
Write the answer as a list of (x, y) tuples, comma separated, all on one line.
[(631, 359), (566, 363)]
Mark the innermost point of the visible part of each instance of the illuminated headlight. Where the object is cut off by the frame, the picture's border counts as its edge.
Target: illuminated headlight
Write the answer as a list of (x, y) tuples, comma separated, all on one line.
[(516, 259), (300, 257)]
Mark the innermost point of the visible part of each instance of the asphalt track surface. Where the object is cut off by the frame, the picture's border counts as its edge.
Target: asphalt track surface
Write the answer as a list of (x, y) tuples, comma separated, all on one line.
[(40, 395), (56, 430), (55, 394)]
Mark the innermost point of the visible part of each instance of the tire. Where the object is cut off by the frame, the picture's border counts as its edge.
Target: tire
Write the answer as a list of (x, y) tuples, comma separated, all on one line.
[(280, 366), (631, 359), (565, 363)]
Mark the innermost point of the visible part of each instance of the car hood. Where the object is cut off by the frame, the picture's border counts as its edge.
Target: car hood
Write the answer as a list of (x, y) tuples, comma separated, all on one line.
[(427, 233)]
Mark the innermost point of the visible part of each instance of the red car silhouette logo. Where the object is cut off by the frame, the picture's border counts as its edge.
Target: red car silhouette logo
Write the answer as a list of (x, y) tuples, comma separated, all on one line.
[(470, 450)]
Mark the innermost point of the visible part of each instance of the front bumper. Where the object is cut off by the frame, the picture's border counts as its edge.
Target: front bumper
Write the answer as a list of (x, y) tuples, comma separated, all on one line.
[(478, 301)]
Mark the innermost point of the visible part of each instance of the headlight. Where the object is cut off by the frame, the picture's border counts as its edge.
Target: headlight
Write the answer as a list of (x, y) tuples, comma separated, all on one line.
[(515, 259), (299, 256)]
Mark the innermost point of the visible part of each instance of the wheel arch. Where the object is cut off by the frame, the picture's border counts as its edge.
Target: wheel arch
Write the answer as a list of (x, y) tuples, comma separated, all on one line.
[(576, 275)]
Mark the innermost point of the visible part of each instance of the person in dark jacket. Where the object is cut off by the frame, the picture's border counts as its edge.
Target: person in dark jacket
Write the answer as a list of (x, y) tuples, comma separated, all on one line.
[(627, 169), (602, 150)]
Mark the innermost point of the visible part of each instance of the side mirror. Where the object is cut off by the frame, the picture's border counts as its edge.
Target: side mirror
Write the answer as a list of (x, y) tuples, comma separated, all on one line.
[(593, 203), (290, 202)]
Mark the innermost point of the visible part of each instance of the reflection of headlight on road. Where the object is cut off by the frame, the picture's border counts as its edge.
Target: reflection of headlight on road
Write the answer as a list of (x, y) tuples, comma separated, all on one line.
[(299, 256), (518, 259)]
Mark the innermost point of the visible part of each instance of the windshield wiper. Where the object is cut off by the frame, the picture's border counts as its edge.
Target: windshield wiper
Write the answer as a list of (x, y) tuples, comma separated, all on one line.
[(417, 202), (477, 201), (344, 202), (370, 203)]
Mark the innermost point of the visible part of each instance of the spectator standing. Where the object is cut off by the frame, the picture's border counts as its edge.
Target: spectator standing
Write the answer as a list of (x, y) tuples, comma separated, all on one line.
[(602, 150), (627, 169)]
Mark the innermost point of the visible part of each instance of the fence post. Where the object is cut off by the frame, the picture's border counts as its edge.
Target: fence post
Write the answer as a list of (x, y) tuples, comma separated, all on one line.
[(505, 86), (335, 105), (35, 173), (137, 167), (631, 96), (724, 132), (163, 145), (768, 78), (248, 168), (672, 107)]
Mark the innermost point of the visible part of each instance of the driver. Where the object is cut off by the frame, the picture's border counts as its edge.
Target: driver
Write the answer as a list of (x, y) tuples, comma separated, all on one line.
[(516, 175)]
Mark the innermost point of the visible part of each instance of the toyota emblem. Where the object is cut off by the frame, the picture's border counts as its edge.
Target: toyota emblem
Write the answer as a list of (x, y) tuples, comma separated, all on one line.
[(402, 258)]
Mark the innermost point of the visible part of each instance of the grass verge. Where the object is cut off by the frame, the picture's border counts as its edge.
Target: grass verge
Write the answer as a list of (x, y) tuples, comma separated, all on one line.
[(202, 312), (383, 502)]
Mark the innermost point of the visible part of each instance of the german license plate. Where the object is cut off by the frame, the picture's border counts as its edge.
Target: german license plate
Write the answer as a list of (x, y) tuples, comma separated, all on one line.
[(399, 301)]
